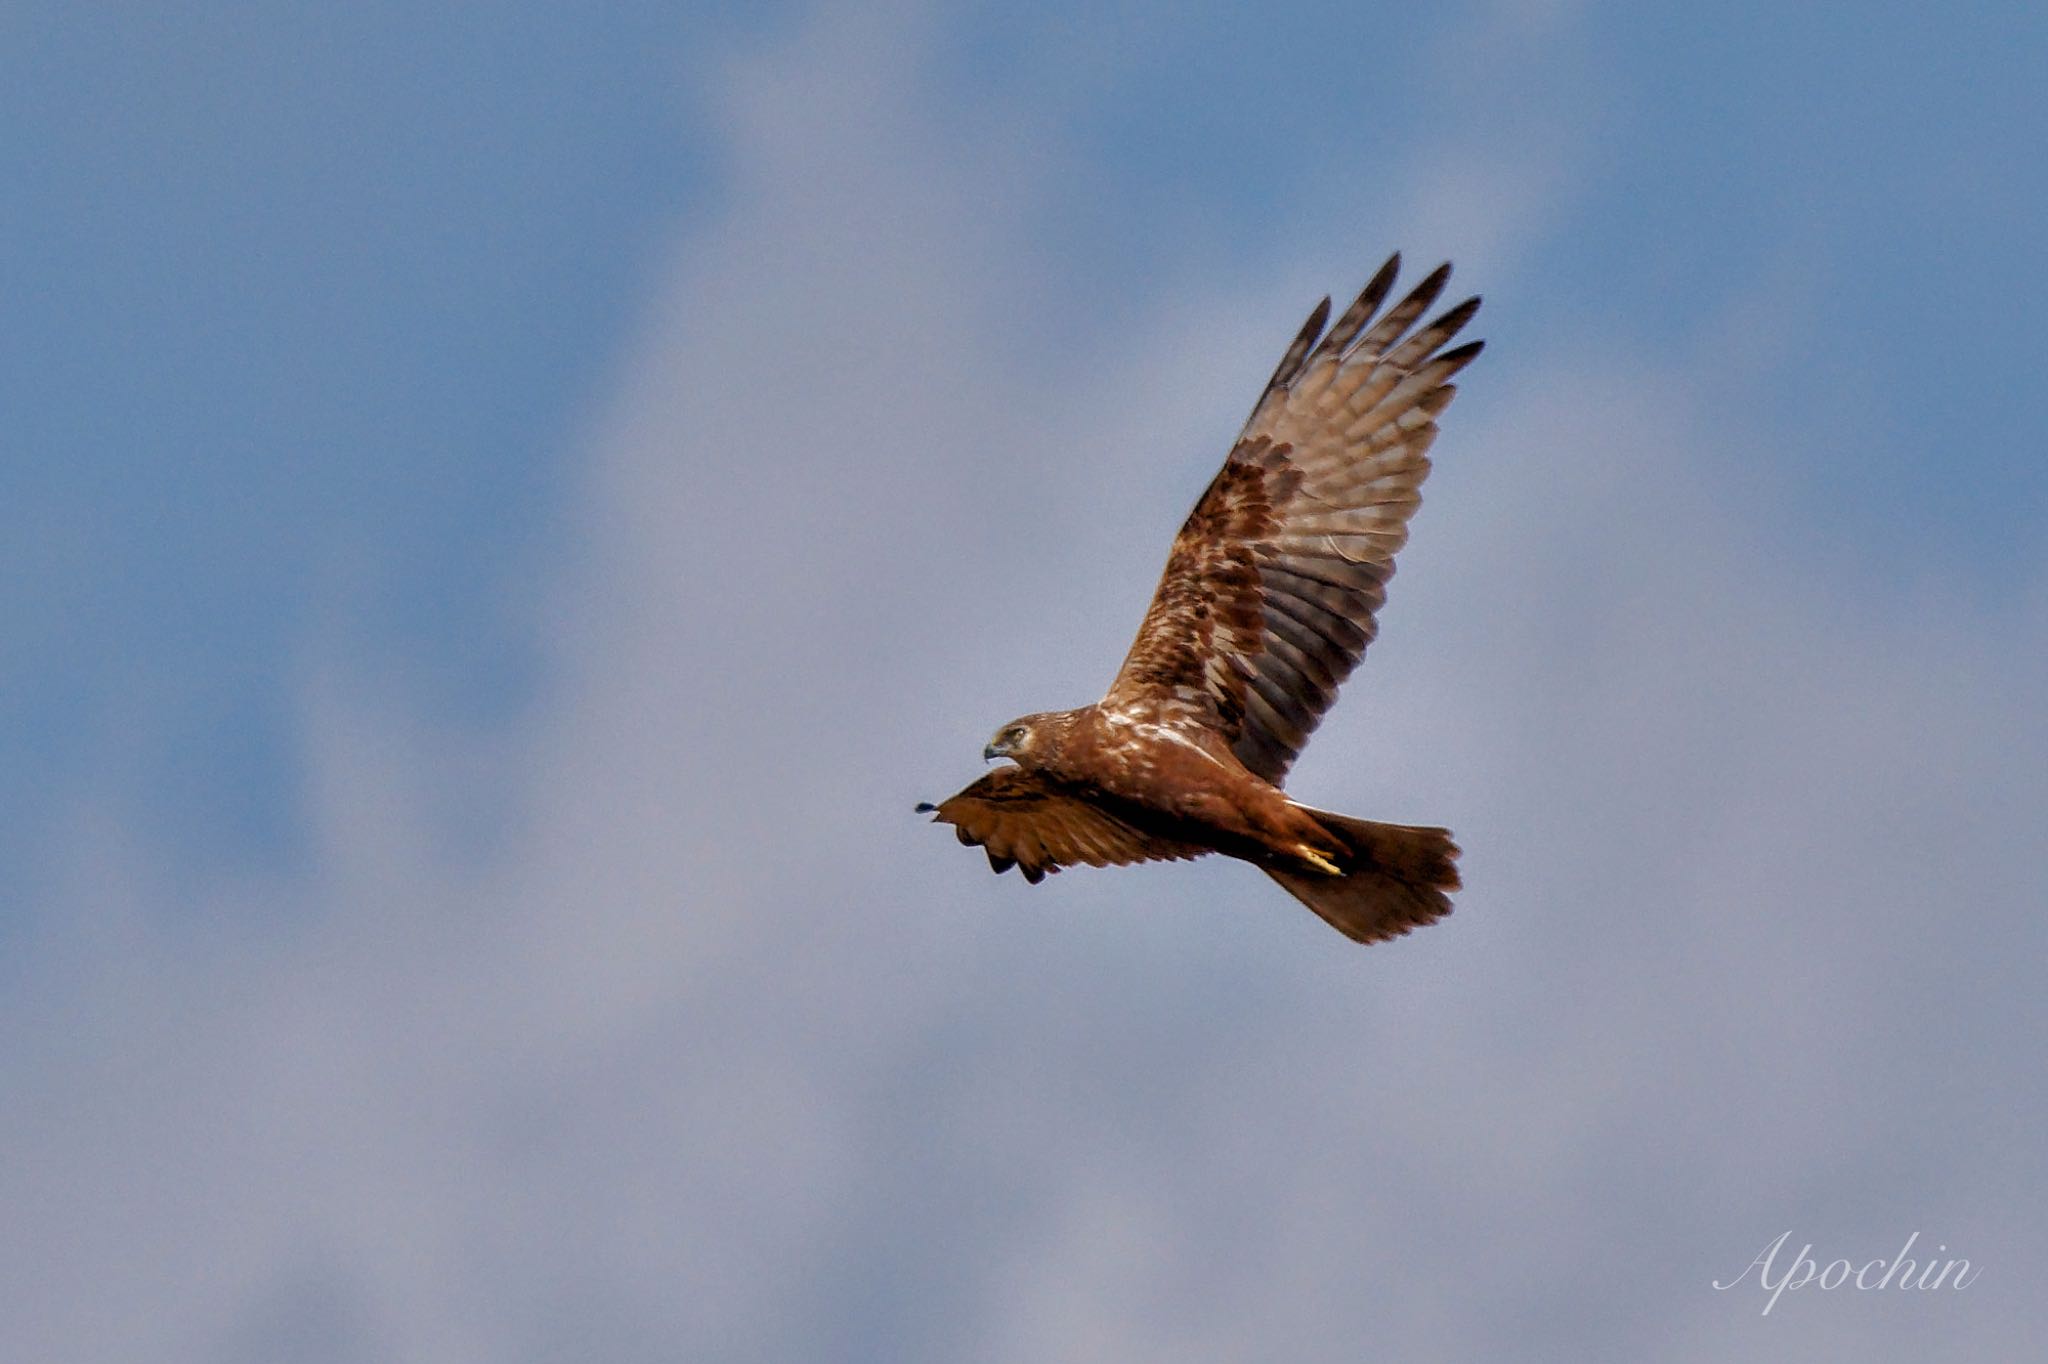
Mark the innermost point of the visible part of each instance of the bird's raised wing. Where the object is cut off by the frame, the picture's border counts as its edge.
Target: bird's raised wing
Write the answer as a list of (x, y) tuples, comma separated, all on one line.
[(1269, 593), (1022, 820)]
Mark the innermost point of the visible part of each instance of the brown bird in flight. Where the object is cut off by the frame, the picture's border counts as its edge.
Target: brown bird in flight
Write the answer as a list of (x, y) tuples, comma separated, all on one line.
[(1265, 607)]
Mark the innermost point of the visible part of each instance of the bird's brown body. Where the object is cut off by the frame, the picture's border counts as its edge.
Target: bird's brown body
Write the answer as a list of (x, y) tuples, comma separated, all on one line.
[(1266, 605), (1177, 784)]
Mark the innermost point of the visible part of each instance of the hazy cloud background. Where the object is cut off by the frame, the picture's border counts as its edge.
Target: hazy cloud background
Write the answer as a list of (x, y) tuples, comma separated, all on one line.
[(509, 510)]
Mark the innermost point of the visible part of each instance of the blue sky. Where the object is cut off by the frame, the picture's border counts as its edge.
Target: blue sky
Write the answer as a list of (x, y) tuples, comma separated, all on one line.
[(502, 507), (305, 310)]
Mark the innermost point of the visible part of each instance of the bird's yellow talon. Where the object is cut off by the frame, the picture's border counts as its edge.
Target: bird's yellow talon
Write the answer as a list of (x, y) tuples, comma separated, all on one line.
[(1318, 861)]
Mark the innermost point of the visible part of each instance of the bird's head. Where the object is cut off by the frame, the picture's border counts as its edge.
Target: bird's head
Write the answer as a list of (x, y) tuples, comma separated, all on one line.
[(1018, 740)]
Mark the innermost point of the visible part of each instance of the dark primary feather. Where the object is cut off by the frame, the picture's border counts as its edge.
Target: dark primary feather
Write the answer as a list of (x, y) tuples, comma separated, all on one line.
[(1361, 310), (1290, 363)]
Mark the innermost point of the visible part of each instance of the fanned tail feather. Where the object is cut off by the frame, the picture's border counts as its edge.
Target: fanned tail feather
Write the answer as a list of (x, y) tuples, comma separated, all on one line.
[(1397, 877)]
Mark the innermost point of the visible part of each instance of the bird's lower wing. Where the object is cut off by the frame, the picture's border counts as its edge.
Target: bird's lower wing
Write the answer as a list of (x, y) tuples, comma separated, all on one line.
[(1023, 821)]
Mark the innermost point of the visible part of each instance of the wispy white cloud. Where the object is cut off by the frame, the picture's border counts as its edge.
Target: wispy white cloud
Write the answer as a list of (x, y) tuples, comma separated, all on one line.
[(721, 1053)]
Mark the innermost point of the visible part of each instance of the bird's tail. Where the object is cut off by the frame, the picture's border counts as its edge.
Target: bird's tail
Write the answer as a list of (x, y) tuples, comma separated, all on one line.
[(1394, 878)]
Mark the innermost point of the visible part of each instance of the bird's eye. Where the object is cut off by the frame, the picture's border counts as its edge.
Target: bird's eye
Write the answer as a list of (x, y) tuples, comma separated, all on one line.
[(1015, 735)]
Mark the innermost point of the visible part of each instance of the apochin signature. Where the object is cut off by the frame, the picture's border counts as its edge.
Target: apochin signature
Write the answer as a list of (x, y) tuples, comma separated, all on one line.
[(1898, 1272)]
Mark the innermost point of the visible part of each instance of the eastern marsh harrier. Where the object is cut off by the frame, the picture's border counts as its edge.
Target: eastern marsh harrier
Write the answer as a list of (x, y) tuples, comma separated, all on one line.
[(1265, 607)]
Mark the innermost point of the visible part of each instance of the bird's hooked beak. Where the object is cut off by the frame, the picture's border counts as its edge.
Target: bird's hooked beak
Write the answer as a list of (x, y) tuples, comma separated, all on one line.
[(990, 753)]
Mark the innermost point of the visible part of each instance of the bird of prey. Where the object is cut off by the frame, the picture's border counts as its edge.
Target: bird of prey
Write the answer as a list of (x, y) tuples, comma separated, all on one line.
[(1265, 607)]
